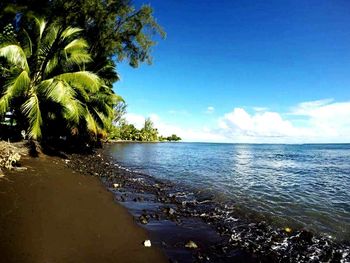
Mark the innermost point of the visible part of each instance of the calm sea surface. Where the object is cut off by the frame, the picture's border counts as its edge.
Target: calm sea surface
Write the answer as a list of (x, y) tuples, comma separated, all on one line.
[(298, 185)]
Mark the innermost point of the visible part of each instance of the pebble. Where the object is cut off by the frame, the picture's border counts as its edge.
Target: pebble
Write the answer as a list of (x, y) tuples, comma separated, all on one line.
[(143, 220), (147, 243), (271, 244), (191, 244), (288, 229), (171, 211)]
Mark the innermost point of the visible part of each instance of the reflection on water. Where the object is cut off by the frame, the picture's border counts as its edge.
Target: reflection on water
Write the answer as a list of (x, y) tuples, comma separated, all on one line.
[(306, 185)]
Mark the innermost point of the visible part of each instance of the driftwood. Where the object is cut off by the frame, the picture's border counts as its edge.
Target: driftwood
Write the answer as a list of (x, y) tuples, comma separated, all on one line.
[(9, 155)]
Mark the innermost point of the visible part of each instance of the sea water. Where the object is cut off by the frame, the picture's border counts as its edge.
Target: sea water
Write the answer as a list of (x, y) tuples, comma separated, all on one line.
[(304, 186)]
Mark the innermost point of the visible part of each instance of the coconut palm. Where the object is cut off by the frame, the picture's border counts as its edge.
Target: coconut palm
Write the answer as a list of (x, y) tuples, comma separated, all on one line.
[(48, 82)]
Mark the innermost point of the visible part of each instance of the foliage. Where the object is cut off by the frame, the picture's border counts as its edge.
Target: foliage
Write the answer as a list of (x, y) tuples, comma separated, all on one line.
[(128, 132), (57, 74), (118, 111), (114, 29), (174, 138), (148, 133), (47, 87)]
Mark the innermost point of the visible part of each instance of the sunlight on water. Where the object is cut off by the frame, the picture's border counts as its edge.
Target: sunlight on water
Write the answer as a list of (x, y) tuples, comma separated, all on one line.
[(301, 185)]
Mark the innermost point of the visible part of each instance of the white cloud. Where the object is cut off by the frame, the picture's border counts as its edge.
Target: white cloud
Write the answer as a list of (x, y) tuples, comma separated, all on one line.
[(305, 107), (136, 119), (319, 121), (326, 119), (322, 121), (166, 129), (241, 126), (210, 110)]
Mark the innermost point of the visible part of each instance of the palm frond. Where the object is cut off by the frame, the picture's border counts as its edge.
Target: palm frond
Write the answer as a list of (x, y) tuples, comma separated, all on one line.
[(15, 55), (100, 102), (76, 44), (29, 46), (90, 121), (73, 111), (32, 110), (41, 23), (76, 52), (84, 79), (51, 64), (100, 119), (59, 91), (14, 89), (108, 71), (70, 31), (46, 43), (78, 58), (62, 93)]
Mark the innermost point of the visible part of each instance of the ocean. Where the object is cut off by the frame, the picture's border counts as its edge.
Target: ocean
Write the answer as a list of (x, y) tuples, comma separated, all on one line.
[(300, 186)]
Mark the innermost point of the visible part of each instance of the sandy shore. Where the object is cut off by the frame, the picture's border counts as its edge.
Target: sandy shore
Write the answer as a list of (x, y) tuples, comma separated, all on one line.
[(51, 214)]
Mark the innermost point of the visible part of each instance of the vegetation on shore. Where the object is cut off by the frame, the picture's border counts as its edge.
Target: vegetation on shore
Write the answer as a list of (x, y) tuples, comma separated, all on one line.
[(58, 65), (128, 132)]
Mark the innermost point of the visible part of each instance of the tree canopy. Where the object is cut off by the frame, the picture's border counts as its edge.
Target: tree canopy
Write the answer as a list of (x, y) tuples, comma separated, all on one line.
[(148, 133), (58, 61), (114, 29), (46, 82)]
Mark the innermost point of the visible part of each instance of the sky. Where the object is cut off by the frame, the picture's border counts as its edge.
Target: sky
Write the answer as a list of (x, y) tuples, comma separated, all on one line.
[(245, 71)]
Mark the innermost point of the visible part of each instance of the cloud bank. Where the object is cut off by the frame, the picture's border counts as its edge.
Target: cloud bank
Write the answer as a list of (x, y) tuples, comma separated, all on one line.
[(319, 121)]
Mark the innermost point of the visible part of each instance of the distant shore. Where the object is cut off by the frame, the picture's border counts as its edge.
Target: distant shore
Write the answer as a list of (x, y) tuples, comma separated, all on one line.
[(49, 213), (131, 141)]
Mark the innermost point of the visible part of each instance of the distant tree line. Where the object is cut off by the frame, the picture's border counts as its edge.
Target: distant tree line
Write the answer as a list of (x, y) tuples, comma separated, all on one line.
[(148, 133)]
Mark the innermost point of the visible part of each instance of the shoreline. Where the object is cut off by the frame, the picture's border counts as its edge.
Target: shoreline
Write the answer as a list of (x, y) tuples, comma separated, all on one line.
[(185, 226), (222, 234), (49, 213)]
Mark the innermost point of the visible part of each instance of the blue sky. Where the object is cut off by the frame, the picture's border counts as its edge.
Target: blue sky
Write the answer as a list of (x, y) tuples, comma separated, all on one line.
[(269, 71)]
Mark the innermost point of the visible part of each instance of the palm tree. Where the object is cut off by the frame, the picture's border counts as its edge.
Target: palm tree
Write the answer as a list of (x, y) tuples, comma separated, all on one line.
[(48, 82)]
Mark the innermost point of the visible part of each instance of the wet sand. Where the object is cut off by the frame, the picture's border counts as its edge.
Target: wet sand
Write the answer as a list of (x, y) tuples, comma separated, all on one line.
[(174, 214), (51, 214)]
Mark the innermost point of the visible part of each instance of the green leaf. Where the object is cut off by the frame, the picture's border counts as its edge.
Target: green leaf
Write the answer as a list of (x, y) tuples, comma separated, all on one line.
[(84, 79), (73, 111), (29, 46), (76, 44), (70, 31), (90, 121), (78, 58), (14, 89), (62, 93), (32, 110), (15, 55), (41, 23), (51, 64)]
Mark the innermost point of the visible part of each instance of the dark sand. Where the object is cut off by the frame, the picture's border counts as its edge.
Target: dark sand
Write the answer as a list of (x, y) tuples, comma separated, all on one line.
[(51, 214)]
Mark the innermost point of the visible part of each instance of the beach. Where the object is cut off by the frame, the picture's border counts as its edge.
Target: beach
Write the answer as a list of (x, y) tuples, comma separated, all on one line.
[(88, 208), (49, 213)]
